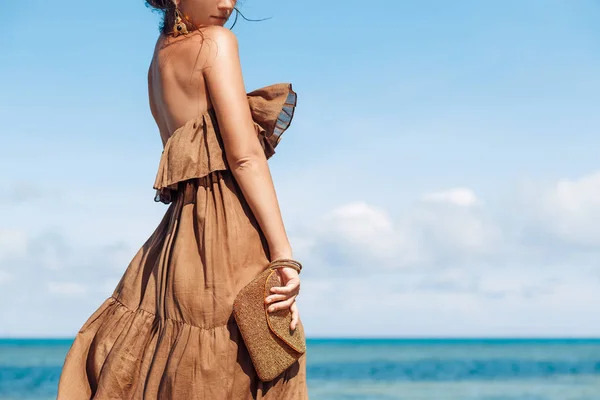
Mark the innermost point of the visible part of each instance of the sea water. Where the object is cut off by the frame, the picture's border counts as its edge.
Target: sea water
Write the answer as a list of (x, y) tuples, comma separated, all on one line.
[(380, 369)]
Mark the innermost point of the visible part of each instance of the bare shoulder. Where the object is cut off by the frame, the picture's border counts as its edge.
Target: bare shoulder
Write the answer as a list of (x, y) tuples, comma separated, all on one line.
[(222, 41), (220, 34), (221, 53), (208, 46)]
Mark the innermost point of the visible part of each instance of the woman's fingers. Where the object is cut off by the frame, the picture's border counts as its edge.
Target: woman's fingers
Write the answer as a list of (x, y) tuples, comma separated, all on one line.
[(275, 297), (292, 287), (295, 316), (281, 305)]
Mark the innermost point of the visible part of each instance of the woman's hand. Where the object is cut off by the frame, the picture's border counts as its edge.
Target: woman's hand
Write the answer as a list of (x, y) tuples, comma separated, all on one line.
[(283, 297)]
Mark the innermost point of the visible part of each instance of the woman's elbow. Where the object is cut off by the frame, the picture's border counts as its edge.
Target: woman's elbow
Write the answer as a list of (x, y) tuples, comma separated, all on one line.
[(247, 161)]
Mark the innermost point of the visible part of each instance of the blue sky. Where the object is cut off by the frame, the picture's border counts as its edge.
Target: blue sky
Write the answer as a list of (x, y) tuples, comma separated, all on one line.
[(440, 177)]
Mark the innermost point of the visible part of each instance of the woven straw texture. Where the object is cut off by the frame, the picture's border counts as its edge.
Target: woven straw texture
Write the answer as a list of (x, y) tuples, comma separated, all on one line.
[(272, 345)]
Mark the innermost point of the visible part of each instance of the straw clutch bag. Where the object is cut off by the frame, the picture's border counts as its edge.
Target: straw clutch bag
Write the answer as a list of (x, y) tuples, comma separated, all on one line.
[(272, 345)]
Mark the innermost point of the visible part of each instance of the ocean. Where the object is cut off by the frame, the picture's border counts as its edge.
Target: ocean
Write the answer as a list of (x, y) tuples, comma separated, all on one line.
[(380, 369)]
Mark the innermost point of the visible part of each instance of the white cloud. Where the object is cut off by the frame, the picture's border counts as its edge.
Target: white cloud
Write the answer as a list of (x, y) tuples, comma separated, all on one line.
[(44, 277), (567, 210), (450, 266), (452, 279), (13, 243), (440, 232), (457, 196), (543, 225), (450, 232), (508, 302), (362, 234)]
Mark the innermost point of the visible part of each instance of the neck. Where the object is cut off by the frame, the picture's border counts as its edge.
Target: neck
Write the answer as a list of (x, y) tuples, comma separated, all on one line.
[(187, 20)]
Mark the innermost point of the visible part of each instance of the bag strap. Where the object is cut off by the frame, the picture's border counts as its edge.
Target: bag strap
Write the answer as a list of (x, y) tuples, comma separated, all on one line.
[(285, 262)]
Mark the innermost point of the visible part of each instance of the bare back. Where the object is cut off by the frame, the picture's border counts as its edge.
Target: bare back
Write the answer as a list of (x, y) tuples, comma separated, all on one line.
[(177, 88)]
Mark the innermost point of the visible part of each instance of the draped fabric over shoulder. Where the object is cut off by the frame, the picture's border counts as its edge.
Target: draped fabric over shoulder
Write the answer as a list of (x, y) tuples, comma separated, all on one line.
[(167, 331)]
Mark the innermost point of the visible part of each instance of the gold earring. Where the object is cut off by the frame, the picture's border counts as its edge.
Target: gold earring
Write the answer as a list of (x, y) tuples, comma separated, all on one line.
[(179, 28)]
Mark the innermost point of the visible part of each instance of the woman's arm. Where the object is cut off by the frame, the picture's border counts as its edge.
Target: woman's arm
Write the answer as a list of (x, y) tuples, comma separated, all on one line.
[(245, 155)]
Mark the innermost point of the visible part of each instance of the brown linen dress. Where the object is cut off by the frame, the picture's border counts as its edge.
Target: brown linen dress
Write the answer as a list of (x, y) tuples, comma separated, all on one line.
[(167, 332)]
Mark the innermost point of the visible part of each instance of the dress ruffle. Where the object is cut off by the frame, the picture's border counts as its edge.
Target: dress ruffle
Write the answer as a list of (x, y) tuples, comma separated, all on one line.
[(131, 353), (272, 110), (196, 149)]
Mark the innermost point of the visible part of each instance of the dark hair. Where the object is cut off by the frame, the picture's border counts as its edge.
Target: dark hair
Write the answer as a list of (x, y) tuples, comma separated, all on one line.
[(167, 8)]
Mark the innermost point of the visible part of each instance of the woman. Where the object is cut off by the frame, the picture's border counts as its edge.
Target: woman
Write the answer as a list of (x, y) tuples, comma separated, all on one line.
[(167, 331)]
